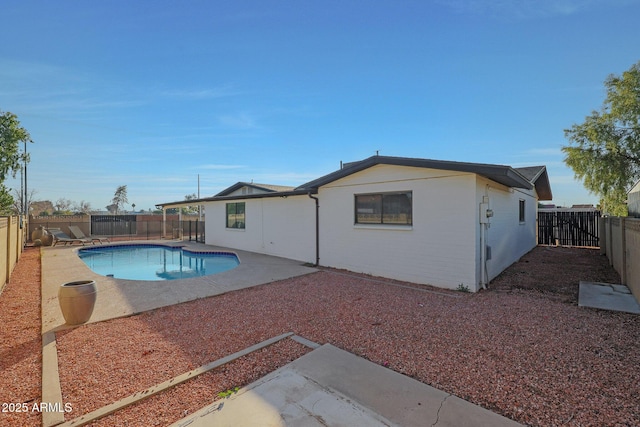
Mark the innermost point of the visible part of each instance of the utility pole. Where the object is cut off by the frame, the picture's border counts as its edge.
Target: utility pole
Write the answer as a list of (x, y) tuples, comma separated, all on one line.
[(199, 206), (25, 202)]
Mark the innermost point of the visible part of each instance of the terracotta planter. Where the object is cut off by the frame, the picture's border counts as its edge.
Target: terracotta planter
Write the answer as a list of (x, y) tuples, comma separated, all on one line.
[(77, 300), (43, 235)]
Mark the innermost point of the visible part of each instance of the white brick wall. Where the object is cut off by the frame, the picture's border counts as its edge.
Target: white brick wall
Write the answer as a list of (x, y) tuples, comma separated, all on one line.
[(509, 238), (438, 249), (276, 226), (441, 248)]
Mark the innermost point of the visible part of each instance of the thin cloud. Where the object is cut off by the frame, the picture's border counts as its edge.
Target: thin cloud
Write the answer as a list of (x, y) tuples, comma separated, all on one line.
[(528, 9), (218, 92), (218, 167), (238, 121)]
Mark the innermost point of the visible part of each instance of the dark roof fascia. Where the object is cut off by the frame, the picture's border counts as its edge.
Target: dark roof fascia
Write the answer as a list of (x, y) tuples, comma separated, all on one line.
[(501, 174), (302, 192)]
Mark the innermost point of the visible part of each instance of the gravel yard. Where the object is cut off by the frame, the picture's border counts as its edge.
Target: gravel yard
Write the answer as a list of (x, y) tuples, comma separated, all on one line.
[(522, 349)]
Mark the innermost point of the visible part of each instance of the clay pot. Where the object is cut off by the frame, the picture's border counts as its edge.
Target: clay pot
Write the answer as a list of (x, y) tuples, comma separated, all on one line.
[(43, 235), (77, 300)]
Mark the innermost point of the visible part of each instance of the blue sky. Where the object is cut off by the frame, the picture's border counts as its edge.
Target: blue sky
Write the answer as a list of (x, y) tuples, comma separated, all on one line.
[(151, 94)]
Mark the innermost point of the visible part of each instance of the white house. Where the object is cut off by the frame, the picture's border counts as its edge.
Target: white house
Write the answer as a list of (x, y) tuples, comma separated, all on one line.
[(424, 221)]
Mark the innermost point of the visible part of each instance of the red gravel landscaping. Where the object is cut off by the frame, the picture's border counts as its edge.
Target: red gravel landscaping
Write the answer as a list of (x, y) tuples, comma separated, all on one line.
[(21, 344), (527, 353)]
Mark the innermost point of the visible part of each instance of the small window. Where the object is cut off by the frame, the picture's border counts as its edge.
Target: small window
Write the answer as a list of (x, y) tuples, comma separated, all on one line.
[(384, 208), (235, 215), (521, 210)]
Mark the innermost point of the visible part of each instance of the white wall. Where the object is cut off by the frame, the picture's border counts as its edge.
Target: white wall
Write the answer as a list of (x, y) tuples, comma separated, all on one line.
[(441, 248), (509, 238), (276, 226), (438, 249)]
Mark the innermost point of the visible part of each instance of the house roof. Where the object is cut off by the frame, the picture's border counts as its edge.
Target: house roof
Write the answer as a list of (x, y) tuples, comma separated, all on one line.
[(525, 178), (539, 177), (268, 188)]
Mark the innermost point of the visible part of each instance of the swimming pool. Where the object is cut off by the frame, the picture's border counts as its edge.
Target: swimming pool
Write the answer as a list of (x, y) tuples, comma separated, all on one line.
[(155, 262)]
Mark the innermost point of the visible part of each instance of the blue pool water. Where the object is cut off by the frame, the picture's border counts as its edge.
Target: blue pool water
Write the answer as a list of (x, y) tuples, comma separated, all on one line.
[(155, 262)]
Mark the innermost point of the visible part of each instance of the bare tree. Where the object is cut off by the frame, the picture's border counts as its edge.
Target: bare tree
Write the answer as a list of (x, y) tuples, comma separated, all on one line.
[(84, 207), (63, 204), (18, 200)]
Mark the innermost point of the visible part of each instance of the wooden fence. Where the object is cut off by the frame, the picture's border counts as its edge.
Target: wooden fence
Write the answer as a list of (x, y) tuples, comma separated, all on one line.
[(12, 239), (569, 228)]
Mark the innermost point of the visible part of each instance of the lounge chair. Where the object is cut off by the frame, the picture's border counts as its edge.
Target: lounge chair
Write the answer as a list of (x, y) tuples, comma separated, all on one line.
[(75, 230), (60, 237)]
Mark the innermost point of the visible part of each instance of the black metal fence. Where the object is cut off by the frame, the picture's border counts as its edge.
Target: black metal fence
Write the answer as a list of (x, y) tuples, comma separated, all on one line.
[(568, 228), (114, 225), (127, 227)]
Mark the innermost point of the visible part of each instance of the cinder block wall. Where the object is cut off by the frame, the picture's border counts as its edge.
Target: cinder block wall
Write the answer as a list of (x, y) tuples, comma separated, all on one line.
[(632, 240), (622, 237), (62, 222)]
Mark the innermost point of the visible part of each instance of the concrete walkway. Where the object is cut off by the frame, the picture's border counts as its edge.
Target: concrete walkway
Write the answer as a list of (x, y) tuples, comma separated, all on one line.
[(607, 296), (119, 298), (331, 387)]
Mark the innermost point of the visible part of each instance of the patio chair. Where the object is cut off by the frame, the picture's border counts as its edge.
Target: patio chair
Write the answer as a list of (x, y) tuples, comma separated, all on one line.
[(60, 237), (77, 232)]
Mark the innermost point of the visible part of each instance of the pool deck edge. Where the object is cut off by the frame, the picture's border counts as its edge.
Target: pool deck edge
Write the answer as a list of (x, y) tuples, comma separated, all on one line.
[(122, 298)]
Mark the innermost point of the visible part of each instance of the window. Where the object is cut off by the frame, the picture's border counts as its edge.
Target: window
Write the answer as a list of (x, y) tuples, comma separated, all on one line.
[(235, 215), (521, 210), (384, 208)]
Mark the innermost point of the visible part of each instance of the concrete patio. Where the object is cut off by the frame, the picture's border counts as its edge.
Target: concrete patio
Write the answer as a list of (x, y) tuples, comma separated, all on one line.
[(119, 298), (328, 385)]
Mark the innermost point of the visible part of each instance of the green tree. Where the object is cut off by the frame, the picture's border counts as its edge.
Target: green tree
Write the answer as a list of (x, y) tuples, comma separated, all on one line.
[(604, 151), (11, 158), (120, 198), (190, 210)]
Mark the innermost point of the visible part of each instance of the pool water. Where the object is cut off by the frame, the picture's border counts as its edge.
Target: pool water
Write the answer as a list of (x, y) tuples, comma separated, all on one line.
[(155, 262)]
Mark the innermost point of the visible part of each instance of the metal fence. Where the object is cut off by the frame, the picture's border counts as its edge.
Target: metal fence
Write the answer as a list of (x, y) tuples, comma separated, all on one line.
[(126, 227)]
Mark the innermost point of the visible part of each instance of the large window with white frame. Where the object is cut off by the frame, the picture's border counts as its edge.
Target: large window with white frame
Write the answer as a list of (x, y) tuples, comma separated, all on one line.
[(392, 208)]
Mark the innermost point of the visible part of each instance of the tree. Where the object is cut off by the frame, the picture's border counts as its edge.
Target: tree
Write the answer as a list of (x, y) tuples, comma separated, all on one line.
[(190, 210), (605, 150), (119, 198), (82, 207), (19, 202), (11, 158), (63, 205), (6, 201)]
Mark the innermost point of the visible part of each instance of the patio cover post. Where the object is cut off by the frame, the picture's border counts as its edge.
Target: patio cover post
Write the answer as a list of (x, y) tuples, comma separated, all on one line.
[(164, 222)]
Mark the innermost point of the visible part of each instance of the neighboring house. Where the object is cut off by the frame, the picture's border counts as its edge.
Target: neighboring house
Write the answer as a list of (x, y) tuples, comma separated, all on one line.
[(633, 200), (424, 221)]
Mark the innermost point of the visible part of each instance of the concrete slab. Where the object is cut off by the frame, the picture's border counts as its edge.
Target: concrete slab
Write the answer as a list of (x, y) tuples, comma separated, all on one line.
[(118, 298), (607, 296), (329, 386)]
